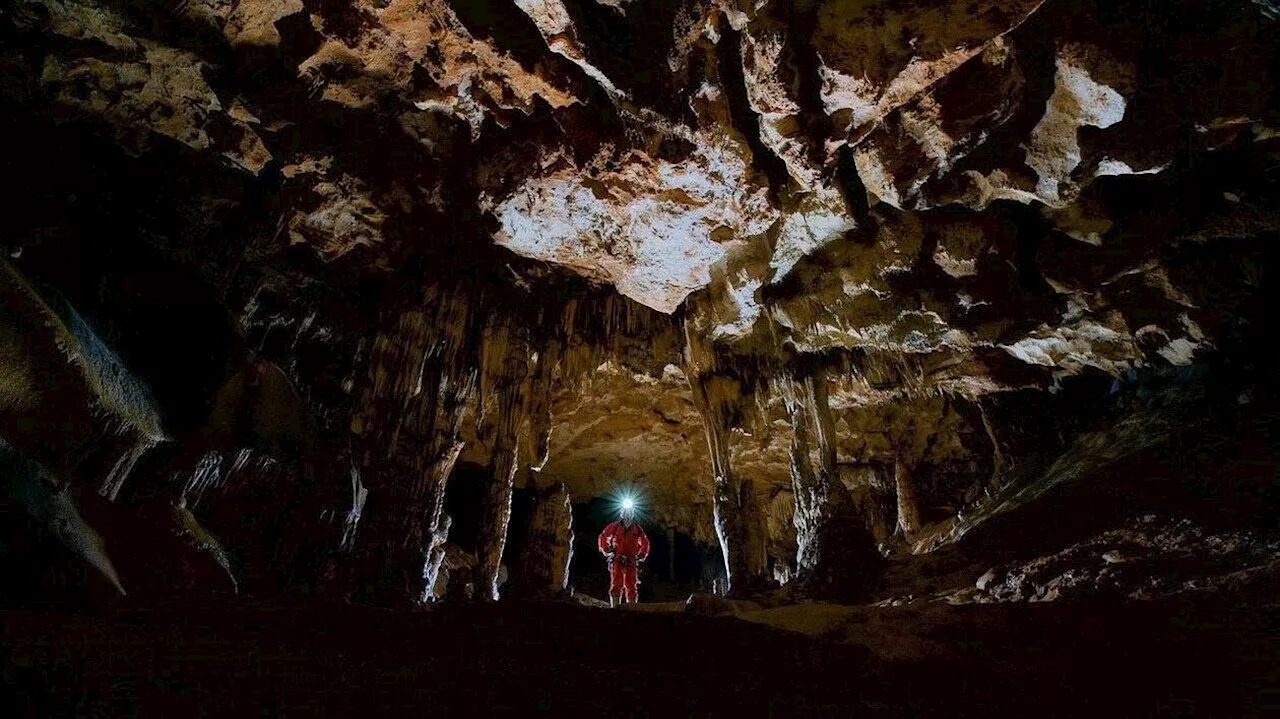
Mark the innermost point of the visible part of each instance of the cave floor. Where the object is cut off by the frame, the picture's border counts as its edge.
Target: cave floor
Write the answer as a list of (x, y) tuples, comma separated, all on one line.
[(1202, 658)]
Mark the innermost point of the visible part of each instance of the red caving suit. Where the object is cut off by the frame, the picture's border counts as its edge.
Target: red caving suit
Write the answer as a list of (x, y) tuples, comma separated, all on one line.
[(629, 546)]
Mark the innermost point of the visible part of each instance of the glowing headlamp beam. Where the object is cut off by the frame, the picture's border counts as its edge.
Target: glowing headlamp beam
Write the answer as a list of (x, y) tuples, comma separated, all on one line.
[(627, 501)]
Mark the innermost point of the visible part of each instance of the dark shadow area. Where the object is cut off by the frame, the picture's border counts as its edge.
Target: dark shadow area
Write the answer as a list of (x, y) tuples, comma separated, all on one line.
[(1175, 659), (116, 238), (462, 500)]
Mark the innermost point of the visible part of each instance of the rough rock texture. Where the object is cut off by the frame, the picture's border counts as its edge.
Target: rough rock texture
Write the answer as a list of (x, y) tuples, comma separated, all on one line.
[(56, 373), (542, 568), (1147, 559), (51, 507), (454, 578), (812, 274)]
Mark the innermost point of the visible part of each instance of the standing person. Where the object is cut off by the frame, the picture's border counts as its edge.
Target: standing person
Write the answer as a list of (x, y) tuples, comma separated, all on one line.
[(624, 544)]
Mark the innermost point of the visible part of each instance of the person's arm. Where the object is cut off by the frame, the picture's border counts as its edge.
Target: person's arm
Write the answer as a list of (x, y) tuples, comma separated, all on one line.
[(605, 542), (644, 544)]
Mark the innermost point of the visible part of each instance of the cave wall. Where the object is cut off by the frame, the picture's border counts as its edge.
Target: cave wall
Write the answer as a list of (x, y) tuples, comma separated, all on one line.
[(811, 275)]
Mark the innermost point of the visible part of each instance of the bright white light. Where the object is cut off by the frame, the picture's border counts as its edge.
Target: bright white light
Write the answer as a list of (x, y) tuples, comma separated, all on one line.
[(628, 502)]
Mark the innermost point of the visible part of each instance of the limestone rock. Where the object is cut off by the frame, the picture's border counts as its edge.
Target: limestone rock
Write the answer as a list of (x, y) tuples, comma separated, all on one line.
[(542, 569), (603, 241)]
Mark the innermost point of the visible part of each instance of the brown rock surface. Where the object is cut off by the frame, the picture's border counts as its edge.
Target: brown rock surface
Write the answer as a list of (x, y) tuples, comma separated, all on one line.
[(609, 243)]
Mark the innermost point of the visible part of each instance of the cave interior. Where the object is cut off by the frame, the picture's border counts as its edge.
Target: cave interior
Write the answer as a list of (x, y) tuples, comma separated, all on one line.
[(931, 340)]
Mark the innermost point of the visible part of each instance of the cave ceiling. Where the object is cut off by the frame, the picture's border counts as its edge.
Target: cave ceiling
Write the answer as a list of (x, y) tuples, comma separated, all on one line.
[(934, 201)]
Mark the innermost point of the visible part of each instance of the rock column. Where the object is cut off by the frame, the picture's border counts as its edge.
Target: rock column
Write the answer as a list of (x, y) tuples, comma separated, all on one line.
[(406, 433), (739, 523), (835, 554), (908, 504), (542, 570), (505, 389)]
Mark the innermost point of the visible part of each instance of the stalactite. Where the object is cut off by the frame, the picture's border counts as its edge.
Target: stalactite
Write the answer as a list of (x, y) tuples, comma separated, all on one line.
[(55, 369), (825, 492), (540, 404), (50, 502), (519, 364), (835, 554), (115, 479), (408, 521), (881, 508), (435, 353), (505, 387), (248, 470), (205, 542), (351, 522), (207, 473), (725, 397), (738, 521), (908, 503), (123, 399), (437, 524), (407, 428), (808, 487), (495, 517), (432, 578), (997, 456)]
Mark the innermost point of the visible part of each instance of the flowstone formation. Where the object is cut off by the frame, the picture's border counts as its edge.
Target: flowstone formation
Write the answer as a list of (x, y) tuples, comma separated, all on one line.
[(833, 283)]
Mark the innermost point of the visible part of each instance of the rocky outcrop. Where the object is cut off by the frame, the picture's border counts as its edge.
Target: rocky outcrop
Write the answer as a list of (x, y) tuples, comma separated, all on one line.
[(1151, 558)]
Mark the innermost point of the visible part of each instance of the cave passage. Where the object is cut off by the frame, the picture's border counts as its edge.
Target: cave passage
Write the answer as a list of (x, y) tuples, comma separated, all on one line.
[(932, 341), (677, 565)]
